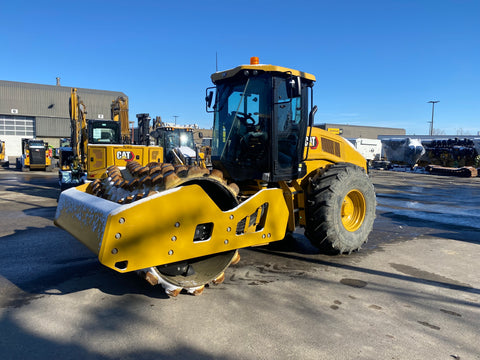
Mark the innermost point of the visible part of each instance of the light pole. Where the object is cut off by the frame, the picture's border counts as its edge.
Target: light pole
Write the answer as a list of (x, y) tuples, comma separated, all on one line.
[(175, 116), (433, 109)]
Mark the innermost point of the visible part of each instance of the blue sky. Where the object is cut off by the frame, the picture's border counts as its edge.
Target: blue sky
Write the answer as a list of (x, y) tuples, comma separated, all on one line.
[(377, 62)]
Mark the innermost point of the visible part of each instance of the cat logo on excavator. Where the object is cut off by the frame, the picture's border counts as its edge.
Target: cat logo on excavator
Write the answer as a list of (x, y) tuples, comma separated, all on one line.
[(125, 155)]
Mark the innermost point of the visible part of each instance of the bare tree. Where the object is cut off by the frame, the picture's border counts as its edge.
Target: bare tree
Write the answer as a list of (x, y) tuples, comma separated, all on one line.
[(438, 132), (460, 131)]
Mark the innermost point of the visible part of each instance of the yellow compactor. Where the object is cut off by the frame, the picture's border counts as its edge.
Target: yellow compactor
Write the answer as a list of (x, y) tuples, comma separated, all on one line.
[(181, 226)]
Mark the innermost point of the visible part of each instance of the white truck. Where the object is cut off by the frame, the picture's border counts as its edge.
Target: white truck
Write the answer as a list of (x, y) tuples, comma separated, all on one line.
[(371, 149)]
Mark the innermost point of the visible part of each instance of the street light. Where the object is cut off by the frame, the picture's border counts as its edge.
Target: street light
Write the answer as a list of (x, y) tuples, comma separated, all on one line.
[(433, 109)]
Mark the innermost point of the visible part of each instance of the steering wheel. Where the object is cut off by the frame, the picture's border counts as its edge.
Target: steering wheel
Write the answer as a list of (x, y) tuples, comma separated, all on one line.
[(246, 118)]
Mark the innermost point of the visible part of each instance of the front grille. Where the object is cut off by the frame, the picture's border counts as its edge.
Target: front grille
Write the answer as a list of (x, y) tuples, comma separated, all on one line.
[(37, 156)]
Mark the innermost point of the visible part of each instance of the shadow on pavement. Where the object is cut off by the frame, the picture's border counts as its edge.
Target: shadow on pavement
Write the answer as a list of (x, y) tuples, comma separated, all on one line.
[(49, 261), (18, 342)]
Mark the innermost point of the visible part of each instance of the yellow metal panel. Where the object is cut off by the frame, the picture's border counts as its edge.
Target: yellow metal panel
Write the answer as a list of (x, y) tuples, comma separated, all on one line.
[(155, 154), (347, 151), (335, 131), (96, 159), (160, 229), (100, 157), (289, 195)]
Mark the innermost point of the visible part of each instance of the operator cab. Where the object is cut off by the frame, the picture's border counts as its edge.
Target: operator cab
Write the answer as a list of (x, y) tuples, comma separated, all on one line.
[(177, 142), (103, 132), (171, 137), (260, 122)]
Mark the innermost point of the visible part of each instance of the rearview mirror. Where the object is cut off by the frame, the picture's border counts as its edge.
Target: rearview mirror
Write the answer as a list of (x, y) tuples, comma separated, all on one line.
[(208, 99), (294, 87)]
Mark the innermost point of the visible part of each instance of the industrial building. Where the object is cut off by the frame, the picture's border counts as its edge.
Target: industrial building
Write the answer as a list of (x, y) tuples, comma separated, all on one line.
[(42, 111), (366, 132)]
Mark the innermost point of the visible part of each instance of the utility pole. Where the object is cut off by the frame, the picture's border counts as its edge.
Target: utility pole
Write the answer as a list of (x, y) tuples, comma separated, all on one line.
[(175, 116), (433, 110)]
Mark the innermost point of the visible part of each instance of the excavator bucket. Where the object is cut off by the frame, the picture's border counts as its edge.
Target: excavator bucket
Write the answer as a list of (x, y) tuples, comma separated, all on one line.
[(170, 226)]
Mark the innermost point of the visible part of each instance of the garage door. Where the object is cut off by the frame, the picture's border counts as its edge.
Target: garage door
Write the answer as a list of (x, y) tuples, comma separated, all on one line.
[(13, 129)]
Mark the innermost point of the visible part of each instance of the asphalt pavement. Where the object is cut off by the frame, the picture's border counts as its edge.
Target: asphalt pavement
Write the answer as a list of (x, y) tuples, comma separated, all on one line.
[(412, 292)]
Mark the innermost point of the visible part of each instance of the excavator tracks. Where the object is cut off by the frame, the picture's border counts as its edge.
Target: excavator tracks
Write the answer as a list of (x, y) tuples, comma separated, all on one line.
[(135, 182), (465, 171)]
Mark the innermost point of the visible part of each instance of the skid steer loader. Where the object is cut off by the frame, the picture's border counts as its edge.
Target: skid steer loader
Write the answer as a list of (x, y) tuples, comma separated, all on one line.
[(182, 226), (36, 155)]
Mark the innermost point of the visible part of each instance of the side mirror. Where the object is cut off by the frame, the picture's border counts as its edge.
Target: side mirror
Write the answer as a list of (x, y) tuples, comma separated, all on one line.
[(200, 135), (294, 87), (209, 99)]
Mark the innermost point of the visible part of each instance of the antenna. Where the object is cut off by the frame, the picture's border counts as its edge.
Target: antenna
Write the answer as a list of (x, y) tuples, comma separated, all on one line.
[(216, 61)]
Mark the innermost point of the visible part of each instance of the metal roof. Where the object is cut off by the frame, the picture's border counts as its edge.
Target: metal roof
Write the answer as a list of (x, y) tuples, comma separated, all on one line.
[(50, 101)]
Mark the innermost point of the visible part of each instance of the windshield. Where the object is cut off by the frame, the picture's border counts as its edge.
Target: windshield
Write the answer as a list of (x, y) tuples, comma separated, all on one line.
[(36, 144), (174, 138), (242, 115), (103, 135), (65, 143)]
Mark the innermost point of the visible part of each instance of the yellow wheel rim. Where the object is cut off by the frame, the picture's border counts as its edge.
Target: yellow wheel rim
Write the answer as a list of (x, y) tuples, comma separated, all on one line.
[(353, 210)]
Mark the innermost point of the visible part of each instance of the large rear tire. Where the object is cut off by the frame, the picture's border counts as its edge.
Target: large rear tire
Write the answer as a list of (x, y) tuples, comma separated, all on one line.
[(340, 208)]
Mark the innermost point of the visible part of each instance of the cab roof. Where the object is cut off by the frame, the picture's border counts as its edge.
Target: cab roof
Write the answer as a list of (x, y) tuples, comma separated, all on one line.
[(220, 75)]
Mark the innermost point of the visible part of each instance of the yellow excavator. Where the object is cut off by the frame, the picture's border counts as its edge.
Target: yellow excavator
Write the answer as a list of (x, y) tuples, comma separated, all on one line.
[(273, 171), (98, 144)]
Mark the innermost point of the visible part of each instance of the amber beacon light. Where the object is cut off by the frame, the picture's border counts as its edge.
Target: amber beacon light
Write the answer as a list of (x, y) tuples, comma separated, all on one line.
[(254, 60)]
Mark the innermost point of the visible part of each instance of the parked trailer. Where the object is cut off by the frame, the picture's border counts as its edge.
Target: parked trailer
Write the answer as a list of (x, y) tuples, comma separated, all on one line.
[(371, 149)]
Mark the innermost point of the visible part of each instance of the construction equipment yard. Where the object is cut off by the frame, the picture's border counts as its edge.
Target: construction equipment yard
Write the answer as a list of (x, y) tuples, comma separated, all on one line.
[(411, 292)]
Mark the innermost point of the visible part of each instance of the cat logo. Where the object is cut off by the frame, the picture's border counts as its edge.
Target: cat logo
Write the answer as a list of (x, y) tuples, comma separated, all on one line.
[(312, 142), (125, 155)]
